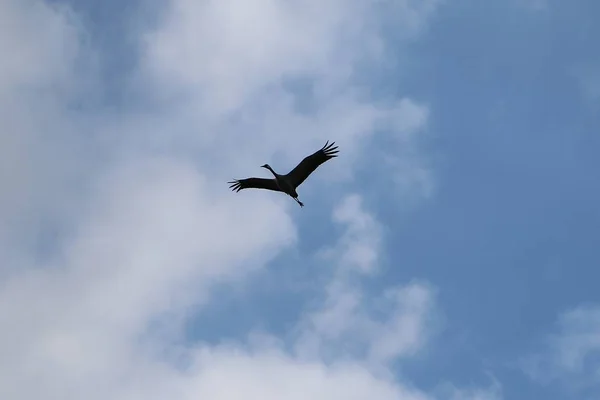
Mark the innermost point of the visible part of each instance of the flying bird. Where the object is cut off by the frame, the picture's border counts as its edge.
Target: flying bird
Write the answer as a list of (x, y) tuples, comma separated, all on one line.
[(289, 182)]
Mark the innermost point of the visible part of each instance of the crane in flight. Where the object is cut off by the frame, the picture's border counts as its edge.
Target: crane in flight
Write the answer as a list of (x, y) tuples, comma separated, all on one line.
[(289, 183)]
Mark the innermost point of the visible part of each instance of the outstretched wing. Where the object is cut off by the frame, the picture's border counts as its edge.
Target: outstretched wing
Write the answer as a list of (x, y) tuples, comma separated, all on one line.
[(310, 163), (254, 183)]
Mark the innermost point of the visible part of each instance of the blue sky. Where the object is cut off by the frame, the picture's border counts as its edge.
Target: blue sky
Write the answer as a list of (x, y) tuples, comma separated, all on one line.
[(450, 251)]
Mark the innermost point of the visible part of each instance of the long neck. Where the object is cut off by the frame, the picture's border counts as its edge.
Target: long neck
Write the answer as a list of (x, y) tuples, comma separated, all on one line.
[(273, 172)]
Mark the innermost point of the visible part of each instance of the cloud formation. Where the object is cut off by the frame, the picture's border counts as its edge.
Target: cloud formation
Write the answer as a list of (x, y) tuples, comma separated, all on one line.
[(116, 224), (570, 353), (344, 323)]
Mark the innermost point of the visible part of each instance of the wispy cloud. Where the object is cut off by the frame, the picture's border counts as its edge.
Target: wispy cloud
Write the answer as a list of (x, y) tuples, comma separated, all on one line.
[(570, 353), (344, 322)]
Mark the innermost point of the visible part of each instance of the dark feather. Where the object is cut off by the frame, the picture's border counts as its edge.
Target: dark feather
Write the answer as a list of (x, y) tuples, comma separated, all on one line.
[(256, 183), (306, 167)]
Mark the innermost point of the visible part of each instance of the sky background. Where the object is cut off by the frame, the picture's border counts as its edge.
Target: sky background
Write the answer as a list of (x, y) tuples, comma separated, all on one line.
[(450, 252)]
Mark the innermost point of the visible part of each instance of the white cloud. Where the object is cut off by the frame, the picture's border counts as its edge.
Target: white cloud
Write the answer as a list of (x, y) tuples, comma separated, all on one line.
[(570, 353), (144, 247), (344, 322), (222, 66), (279, 375), (141, 224), (39, 47), (43, 34), (359, 247), (256, 44)]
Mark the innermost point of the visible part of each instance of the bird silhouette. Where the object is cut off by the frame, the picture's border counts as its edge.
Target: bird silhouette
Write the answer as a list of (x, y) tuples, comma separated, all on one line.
[(289, 183)]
